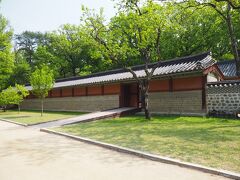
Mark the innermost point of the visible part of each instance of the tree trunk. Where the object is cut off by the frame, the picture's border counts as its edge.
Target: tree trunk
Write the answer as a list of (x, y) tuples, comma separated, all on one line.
[(146, 107), (233, 39), (145, 99), (42, 107), (74, 71), (19, 109)]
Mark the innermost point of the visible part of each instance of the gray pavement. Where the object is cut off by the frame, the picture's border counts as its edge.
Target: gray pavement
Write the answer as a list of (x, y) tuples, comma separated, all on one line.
[(84, 117), (28, 154)]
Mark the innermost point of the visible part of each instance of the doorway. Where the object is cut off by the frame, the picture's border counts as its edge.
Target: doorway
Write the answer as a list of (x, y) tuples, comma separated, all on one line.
[(129, 95)]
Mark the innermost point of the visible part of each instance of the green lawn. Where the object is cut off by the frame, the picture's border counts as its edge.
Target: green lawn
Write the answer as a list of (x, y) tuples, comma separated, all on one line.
[(32, 117), (212, 142)]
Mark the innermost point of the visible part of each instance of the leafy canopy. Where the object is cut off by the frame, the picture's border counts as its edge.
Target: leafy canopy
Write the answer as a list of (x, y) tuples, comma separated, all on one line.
[(6, 56), (42, 81)]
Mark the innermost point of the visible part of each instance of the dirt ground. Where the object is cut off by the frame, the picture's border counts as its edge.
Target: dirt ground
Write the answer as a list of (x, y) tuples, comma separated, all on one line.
[(28, 154)]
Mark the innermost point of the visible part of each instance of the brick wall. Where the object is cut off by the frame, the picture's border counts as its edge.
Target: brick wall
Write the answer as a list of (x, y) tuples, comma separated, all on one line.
[(84, 103), (177, 102), (223, 98), (179, 95)]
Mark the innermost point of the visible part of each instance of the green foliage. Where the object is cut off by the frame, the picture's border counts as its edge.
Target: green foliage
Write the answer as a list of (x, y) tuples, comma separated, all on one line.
[(21, 70), (228, 11), (227, 56), (75, 51), (6, 56), (13, 95), (9, 96), (133, 35), (27, 43), (182, 30), (42, 81), (22, 93), (198, 30), (141, 29)]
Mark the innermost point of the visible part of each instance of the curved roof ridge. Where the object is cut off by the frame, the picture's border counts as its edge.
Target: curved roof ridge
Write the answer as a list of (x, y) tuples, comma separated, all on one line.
[(228, 68), (184, 59)]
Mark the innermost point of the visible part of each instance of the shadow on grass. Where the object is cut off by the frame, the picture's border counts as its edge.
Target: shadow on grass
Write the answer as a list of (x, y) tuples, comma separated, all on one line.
[(198, 130), (16, 117), (47, 112), (211, 141)]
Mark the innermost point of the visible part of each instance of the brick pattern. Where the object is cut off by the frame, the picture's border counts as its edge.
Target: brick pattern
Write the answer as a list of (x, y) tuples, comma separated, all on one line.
[(84, 103), (223, 100), (176, 102)]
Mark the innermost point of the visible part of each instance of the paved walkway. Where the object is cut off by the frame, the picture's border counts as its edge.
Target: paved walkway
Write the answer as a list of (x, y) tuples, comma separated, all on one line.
[(28, 154), (85, 117)]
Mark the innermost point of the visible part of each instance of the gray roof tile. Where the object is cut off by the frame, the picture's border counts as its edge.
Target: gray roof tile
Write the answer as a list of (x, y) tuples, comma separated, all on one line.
[(184, 64), (228, 68)]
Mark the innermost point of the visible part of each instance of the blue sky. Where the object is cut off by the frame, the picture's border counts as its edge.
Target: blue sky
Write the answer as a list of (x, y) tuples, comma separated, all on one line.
[(47, 15)]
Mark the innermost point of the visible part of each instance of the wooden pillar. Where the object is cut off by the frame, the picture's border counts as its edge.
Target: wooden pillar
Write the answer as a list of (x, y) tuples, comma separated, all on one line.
[(86, 89), (50, 94), (171, 84), (73, 93), (102, 88), (121, 95), (138, 95), (61, 92), (204, 82)]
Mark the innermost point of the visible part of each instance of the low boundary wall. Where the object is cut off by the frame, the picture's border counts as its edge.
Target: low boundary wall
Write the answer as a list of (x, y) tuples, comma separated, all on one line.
[(223, 98), (84, 103), (177, 102)]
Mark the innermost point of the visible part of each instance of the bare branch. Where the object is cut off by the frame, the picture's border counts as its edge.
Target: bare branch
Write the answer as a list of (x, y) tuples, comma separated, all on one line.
[(231, 3), (215, 8), (154, 68), (134, 74)]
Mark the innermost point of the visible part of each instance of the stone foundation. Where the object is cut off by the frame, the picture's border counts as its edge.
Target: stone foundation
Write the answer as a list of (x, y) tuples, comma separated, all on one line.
[(81, 104), (178, 102)]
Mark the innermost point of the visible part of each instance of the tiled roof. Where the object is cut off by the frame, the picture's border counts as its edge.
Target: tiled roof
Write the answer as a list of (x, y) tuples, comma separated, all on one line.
[(228, 68), (170, 67), (225, 83)]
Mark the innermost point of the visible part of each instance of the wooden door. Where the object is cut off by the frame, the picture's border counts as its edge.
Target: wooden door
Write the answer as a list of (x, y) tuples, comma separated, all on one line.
[(129, 95)]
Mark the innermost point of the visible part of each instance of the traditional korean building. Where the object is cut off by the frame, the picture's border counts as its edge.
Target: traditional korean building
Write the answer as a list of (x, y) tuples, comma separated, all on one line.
[(228, 69), (178, 86)]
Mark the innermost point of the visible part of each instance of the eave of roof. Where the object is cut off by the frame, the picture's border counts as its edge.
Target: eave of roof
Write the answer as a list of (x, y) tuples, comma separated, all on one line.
[(228, 68), (174, 66), (225, 83)]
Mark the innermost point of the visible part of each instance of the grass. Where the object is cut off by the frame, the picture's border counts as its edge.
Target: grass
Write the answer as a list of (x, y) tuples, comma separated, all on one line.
[(212, 142), (33, 117)]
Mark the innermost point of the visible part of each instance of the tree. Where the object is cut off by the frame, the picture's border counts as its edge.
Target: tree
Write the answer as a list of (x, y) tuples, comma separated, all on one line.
[(75, 53), (67, 44), (225, 10), (13, 96), (134, 34), (6, 56), (196, 31), (42, 82), (22, 93), (43, 55), (21, 70), (8, 96), (27, 43)]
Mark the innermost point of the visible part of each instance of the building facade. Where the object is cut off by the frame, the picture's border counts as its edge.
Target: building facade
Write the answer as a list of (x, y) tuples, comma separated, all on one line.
[(177, 87)]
